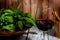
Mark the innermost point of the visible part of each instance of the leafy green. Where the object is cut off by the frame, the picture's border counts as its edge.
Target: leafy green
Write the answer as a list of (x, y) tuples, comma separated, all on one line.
[(18, 12), (20, 25), (9, 27), (8, 12), (29, 20), (1, 12), (27, 15), (10, 19), (7, 18)]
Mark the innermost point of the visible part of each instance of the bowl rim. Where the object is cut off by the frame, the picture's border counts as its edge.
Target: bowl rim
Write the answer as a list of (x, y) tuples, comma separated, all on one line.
[(19, 32)]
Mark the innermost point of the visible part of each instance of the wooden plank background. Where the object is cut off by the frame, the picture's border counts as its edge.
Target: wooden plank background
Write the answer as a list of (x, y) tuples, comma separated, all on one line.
[(36, 7)]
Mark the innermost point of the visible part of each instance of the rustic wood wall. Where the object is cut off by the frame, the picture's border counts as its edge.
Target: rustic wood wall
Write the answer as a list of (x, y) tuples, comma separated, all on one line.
[(2, 4), (36, 7), (56, 5)]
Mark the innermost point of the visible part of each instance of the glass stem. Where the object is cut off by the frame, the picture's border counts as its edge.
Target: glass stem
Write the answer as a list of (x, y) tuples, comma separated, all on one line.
[(43, 35)]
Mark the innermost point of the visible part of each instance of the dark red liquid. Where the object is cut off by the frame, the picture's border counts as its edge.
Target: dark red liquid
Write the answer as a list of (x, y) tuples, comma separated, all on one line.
[(45, 24)]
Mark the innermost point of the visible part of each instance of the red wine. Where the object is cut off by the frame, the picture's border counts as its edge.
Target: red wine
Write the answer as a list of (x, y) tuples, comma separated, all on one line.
[(45, 25)]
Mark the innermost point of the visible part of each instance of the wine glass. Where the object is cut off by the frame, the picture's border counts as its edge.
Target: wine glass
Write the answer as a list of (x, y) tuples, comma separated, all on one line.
[(44, 25)]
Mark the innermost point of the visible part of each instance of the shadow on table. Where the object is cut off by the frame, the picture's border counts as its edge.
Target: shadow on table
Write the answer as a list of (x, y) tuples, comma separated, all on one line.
[(14, 37)]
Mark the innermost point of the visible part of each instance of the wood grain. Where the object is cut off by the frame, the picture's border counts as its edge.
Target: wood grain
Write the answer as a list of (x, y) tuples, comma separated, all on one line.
[(26, 5)]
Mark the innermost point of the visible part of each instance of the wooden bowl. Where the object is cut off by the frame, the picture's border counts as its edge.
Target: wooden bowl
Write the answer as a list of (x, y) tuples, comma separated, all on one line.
[(16, 32)]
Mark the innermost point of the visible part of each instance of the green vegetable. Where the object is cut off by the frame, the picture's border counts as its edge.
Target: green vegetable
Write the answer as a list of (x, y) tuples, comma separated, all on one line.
[(18, 12), (20, 25), (7, 18), (27, 15), (1, 12), (8, 12), (10, 19), (9, 27), (28, 24), (29, 20)]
